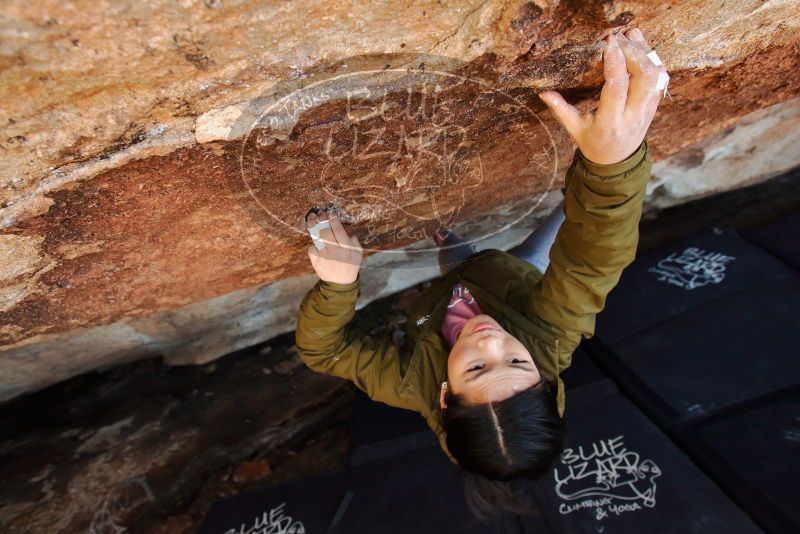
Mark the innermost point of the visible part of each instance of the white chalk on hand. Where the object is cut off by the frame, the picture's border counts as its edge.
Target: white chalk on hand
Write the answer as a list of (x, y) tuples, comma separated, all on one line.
[(314, 231), (654, 58), (663, 78), (661, 83)]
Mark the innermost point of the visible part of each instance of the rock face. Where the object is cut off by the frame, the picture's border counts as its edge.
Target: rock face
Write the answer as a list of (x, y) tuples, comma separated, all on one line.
[(158, 159)]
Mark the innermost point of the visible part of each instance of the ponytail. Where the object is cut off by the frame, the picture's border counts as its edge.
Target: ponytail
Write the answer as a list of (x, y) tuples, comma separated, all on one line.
[(490, 500)]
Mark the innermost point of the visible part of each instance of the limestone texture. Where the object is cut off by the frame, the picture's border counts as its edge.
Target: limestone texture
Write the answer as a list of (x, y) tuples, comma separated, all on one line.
[(158, 158)]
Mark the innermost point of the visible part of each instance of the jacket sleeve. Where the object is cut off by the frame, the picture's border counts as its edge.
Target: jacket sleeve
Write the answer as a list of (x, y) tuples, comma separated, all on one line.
[(328, 343), (596, 241)]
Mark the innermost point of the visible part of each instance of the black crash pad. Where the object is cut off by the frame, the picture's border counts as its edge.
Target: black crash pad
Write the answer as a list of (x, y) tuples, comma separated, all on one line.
[(717, 355), (705, 266), (755, 455), (419, 492), (582, 371), (378, 430), (781, 238), (300, 507), (620, 474)]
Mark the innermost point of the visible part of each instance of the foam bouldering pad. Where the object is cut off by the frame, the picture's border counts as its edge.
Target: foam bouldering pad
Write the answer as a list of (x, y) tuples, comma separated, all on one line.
[(298, 507), (705, 266), (755, 455), (378, 430), (715, 356), (781, 238), (620, 474), (582, 371), (419, 492)]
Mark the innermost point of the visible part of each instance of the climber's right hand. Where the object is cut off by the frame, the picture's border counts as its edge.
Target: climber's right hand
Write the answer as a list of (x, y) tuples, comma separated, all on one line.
[(634, 86), (340, 259)]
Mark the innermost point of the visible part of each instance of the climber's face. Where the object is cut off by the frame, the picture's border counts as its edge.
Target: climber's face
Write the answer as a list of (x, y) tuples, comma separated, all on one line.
[(486, 363)]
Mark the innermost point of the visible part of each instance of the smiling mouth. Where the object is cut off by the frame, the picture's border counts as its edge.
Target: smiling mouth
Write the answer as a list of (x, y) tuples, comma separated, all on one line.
[(484, 326)]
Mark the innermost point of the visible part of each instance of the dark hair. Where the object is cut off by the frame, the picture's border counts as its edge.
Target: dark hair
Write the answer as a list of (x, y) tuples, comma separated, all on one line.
[(503, 446)]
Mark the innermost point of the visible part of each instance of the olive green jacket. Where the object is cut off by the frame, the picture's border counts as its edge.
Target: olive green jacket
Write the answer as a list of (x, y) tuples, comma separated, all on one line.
[(548, 313)]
